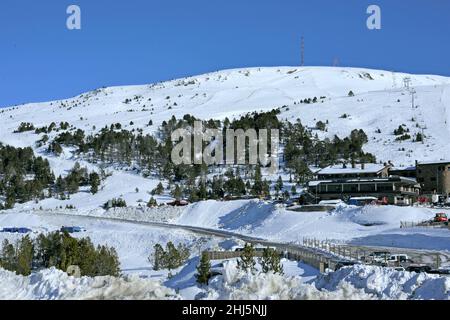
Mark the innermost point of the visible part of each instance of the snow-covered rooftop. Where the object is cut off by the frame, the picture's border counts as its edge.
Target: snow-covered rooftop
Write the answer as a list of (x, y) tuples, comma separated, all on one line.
[(434, 162), (411, 168), (339, 169), (367, 180)]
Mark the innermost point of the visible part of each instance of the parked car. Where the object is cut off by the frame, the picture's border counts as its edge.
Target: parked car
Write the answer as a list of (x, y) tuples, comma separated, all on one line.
[(399, 269), (17, 230), (419, 268), (72, 229), (400, 258), (256, 248), (440, 217), (344, 263), (379, 256), (362, 201)]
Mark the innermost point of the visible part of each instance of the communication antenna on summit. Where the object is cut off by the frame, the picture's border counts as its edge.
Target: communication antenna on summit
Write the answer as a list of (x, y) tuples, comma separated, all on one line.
[(336, 62), (302, 63)]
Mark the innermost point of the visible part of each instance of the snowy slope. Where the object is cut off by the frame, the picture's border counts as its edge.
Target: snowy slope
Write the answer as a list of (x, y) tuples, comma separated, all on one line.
[(380, 102), (379, 106), (231, 93)]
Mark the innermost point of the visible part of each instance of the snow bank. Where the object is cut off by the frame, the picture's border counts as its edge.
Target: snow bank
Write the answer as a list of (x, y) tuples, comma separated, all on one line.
[(238, 285), (138, 214), (353, 283), (52, 284), (386, 283)]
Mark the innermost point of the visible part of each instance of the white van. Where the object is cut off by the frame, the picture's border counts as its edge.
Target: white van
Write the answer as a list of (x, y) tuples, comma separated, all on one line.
[(398, 258)]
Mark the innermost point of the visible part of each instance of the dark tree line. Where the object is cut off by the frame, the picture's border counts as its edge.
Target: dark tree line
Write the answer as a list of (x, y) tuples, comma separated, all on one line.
[(59, 250), (302, 149), (151, 155), (25, 177)]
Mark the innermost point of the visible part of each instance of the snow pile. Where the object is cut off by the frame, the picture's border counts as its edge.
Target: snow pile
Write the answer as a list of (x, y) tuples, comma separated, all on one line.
[(386, 283), (390, 216), (139, 214), (238, 285), (352, 283), (53, 284), (229, 215)]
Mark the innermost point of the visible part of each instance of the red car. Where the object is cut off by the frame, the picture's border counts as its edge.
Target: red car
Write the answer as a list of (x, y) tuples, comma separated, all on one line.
[(441, 217)]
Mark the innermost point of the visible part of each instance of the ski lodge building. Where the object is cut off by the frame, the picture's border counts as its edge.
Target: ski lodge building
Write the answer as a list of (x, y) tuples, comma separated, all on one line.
[(364, 180)]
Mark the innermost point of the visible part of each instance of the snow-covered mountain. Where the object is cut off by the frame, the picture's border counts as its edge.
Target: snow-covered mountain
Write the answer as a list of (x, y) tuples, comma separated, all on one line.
[(380, 104)]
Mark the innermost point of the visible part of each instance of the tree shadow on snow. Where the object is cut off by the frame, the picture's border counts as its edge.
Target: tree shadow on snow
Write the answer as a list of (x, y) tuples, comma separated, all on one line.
[(186, 277)]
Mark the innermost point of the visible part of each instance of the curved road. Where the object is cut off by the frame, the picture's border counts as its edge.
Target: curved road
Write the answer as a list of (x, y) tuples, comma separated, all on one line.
[(419, 256)]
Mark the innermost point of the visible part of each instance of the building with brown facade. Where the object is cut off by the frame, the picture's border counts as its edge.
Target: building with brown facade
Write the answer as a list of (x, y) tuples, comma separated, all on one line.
[(434, 177)]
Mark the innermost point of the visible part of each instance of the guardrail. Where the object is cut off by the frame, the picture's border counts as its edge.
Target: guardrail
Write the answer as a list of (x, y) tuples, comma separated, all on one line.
[(314, 257)]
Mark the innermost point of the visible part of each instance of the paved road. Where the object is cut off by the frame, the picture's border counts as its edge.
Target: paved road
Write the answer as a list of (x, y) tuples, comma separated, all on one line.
[(418, 256)]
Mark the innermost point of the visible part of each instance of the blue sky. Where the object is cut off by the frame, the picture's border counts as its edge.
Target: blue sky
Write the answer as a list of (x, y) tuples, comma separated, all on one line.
[(144, 41)]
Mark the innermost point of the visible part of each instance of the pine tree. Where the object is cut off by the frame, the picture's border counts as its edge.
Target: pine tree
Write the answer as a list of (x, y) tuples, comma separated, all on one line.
[(279, 185), (266, 188), (173, 256), (257, 188), (184, 253), (293, 190), (246, 261), (419, 137), (25, 253), (204, 269), (152, 203), (270, 261), (159, 189), (158, 258), (202, 192), (106, 262), (193, 195), (8, 259), (94, 180), (177, 192)]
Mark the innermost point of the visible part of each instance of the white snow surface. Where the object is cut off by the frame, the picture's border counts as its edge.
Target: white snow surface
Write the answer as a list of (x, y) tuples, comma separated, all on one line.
[(53, 284), (231, 93), (386, 283), (380, 102), (370, 225), (351, 283)]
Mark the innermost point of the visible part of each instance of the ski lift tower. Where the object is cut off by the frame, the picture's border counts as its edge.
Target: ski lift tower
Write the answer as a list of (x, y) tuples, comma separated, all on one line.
[(302, 62), (407, 82)]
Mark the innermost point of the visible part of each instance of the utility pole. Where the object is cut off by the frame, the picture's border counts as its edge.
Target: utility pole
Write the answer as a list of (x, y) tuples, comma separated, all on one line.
[(423, 135), (413, 92), (394, 80), (303, 52)]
